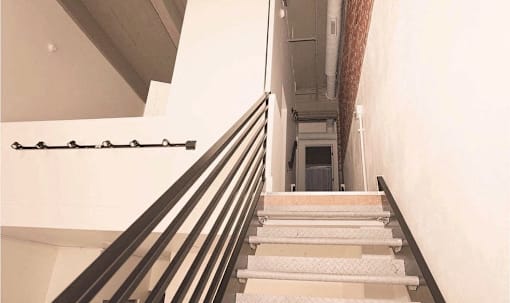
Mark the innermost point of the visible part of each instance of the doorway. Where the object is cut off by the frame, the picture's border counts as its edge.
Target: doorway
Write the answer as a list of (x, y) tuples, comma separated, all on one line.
[(316, 166)]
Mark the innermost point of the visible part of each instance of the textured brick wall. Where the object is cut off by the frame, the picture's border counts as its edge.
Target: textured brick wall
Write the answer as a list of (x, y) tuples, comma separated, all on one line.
[(356, 26)]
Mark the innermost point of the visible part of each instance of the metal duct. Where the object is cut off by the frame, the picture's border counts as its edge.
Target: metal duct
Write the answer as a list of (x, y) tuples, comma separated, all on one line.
[(332, 45)]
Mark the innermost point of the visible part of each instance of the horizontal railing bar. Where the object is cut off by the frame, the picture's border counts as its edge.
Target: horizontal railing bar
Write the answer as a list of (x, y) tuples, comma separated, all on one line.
[(195, 266), (139, 272), (95, 276), (226, 273), (420, 260), (199, 288)]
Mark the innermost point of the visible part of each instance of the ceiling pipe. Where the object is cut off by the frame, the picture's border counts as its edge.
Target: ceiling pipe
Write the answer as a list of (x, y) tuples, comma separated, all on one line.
[(332, 46)]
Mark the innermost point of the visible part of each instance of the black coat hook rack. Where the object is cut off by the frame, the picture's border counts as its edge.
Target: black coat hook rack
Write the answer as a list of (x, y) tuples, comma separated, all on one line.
[(188, 145)]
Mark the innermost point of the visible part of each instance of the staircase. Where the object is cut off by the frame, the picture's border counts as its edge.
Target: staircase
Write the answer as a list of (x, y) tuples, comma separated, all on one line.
[(307, 247), (324, 247)]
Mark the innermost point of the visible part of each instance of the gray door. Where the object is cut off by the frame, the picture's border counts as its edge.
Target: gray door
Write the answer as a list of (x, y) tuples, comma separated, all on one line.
[(318, 168)]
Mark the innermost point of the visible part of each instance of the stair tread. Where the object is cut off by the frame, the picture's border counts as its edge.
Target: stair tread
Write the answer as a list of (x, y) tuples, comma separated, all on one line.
[(341, 266), (325, 241), (324, 214), (349, 223), (315, 207), (258, 298), (325, 232), (322, 199)]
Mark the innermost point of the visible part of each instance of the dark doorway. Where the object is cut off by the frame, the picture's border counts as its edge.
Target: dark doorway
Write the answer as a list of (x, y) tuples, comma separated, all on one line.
[(319, 173)]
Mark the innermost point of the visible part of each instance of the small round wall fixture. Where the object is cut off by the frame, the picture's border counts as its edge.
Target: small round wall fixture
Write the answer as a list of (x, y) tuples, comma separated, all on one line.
[(51, 47), (41, 145), (134, 143), (106, 144), (72, 144), (16, 145)]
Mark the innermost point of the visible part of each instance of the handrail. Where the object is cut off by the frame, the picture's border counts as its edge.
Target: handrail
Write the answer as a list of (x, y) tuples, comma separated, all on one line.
[(420, 260), (290, 163), (245, 142)]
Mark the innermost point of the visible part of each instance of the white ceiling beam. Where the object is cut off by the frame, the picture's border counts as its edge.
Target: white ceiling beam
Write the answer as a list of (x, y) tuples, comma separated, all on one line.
[(172, 27), (181, 5)]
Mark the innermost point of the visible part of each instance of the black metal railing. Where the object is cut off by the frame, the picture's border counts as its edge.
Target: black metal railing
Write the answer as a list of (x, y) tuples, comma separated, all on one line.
[(430, 282), (238, 178), (290, 163)]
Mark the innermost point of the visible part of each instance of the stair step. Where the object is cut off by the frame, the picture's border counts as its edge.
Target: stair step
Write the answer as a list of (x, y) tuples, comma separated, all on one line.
[(354, 266), (325, 232), (315, 207), (326, 241), (256, 298), (322, 198), (325, 236), (322, 214), (350, 270), (338, 223)]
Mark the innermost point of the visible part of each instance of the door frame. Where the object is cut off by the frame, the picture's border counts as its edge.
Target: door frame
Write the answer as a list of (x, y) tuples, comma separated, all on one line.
[(301, 161)]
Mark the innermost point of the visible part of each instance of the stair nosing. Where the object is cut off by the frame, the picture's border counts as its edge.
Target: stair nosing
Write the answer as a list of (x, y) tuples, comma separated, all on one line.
[(324, 214), (249, 297), (270, 275), (325, 241)]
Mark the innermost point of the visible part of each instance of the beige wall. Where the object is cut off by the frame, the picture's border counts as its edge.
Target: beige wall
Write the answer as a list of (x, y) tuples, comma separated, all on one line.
[(75, 82), (45, 270), (71, 261), (434, 87), (26, 270), (280, 81)]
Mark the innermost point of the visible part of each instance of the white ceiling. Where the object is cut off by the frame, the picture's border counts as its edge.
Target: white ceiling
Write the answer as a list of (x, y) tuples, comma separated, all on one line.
[(138, 37), (137, 31), (303, 23)]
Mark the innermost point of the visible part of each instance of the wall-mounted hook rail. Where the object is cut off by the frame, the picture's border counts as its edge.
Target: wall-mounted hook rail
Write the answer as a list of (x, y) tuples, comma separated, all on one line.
[(188, 145)]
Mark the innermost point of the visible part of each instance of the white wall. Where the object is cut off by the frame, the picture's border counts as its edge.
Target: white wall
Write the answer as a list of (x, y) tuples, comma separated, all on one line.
[(434, 86), (290, 177), (88, 189), (216, 79), (75, 82), (220, 66), (280, 81), (157, 99)]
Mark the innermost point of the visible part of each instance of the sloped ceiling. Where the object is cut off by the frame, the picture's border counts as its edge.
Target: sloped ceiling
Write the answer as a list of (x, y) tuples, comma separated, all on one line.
[(138, 37)]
